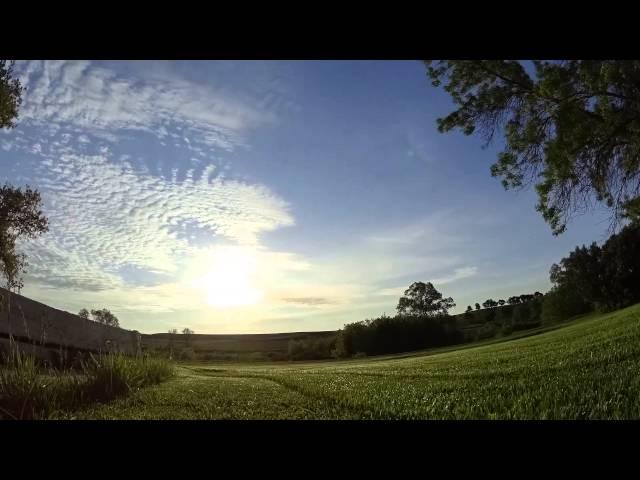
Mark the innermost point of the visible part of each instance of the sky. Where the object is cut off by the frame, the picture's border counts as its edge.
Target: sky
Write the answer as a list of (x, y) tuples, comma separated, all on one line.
[(264, 196)]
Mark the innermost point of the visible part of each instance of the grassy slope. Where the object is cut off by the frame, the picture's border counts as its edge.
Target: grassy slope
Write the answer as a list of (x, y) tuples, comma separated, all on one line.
[(587, 369)]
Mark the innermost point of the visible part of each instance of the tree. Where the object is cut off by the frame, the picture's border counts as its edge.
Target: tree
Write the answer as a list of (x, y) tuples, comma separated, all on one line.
[(501, 302), (423, 299), (468, 312), (490, 303), (84, 313), (525, 297), (20, 217), (10, 95), (172, 334), (477, 306), (538, 295), (604, 278), (187, 332), (513, 300), (572, 126), (105, 317)]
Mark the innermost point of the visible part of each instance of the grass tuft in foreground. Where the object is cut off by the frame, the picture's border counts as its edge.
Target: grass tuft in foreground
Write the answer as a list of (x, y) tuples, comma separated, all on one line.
[(28, 391)]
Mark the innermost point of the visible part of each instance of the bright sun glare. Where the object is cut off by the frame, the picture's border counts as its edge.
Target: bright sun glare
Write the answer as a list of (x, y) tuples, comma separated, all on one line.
[(228, 279)]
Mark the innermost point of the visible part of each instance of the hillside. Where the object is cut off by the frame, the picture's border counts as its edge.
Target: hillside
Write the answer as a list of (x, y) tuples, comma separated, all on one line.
[(272, 346)]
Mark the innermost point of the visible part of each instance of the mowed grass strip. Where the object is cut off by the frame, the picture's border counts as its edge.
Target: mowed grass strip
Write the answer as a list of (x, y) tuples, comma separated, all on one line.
[(200, 397), (588, 369)]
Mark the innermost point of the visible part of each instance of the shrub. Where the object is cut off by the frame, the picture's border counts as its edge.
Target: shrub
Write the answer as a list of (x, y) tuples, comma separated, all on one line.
[(187, 354)]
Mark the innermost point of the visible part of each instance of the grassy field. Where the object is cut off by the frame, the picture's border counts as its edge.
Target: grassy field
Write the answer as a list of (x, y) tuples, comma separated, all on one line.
[(587, 369)]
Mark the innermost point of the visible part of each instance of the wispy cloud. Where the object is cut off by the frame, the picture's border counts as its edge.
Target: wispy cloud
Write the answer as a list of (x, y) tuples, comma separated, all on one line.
[(457, 274), (97, 100), (105, 216), (309, 300)]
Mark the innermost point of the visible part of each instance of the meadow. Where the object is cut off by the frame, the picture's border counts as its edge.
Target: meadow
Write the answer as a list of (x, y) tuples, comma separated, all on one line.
[(588, 368)]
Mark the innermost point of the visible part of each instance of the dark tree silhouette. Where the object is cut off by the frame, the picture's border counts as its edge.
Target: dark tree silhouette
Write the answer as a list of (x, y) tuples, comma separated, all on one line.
[(572, 126), (513, 300), (10, 95), (501, 302), (477, 306), (20, 214), (105, 317), (490, 303), (84, 313), (20, 217), (423, 299)]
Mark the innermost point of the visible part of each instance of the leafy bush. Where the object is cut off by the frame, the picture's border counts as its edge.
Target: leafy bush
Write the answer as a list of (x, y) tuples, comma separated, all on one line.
[(187, 354)]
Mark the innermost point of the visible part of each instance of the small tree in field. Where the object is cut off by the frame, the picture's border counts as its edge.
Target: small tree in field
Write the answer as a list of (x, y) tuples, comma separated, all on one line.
[(423, 299), (105, 317), (84, 313), (501, 302), (477, 306), (187, 332)]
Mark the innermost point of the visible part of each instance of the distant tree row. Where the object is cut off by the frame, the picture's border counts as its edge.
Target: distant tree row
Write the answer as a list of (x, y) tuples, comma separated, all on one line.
[(515, 300)]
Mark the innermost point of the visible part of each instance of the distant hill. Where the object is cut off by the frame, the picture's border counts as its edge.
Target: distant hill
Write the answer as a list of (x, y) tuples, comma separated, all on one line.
[(268, 346)]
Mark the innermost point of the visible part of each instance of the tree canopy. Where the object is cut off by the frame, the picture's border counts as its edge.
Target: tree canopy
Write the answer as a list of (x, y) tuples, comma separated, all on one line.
[(20, 214), (423, 299), (571, 127), (20, 217), (105, 317), (10, 95)]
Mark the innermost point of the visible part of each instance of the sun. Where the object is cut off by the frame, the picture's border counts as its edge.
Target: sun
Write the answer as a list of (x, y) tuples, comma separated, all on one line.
[(228, 279)]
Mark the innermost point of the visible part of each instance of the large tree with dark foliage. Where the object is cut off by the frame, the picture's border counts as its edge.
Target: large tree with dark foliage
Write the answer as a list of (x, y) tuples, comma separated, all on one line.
[(423, 299), (10, 95), (20, 214), (604, 278), (20, 217), (572, 127)]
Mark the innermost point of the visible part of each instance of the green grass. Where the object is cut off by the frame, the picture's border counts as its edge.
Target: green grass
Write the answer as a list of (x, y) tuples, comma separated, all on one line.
[(28, 391), (587, 369)]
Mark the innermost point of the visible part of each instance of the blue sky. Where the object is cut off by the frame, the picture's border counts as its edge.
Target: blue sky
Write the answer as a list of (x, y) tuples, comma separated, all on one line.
[(264, 196)]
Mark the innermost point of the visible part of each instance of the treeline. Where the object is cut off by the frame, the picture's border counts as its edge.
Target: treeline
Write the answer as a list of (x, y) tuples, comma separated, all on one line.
[(596, 278), (507, 317), (401, 333)]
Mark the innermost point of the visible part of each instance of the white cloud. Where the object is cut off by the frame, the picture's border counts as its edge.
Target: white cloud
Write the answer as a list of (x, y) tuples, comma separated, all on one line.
[(104, 216), (99, 101)]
